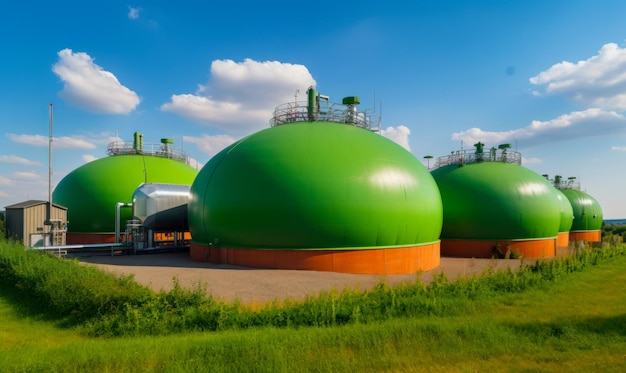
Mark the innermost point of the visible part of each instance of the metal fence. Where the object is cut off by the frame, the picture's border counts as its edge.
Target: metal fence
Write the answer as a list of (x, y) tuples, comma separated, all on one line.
[(157, 150), (298, 111), (471, 156)]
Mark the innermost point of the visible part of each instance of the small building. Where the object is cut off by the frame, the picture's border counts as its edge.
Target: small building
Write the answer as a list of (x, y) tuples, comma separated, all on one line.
[(29, 222)]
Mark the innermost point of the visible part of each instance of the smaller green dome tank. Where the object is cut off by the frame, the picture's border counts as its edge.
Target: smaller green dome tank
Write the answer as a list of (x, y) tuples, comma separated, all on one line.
[(91, 191), (496, 201), (567, 213), (586, 210)]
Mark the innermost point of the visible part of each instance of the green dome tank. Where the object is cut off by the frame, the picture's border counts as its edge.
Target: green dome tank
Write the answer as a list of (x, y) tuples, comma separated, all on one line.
[(91, 191), (567, 213), (312, 185), (496, 201), (587, 211)]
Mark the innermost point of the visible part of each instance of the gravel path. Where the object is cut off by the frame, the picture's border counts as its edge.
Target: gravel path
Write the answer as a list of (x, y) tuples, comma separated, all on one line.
[(257, 286)]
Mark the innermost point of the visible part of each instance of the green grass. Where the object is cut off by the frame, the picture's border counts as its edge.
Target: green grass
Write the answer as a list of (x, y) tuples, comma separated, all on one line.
[(561, 315)]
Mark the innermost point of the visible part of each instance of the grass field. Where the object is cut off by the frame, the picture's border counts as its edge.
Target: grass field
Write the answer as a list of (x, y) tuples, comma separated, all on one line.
[(572, 322)]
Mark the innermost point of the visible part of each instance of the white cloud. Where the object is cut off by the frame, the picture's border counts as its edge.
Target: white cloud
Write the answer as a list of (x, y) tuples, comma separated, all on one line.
[(204, 109), (599, 81), (65, 142), (240, 97), (210, 145), (103, 138), (133, 13), (579, 124), (5, 181), (18, 160), (72, 142), (25, 175), (531, 160), (194, 163), (89, 157), (35, 140), (619, 148), (399, 135), (88, 86)]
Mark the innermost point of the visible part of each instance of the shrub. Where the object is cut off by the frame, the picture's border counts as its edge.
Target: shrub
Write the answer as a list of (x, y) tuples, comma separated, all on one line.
[(106, 305), (62, 288)]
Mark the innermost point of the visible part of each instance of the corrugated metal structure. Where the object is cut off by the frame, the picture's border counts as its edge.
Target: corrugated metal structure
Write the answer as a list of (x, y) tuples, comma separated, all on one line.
[(160, 206), (160, 216), (28, 222)]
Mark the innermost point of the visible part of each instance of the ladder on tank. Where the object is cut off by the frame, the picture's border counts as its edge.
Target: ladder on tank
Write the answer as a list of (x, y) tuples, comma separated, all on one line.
[(135, 234), (57, 233)]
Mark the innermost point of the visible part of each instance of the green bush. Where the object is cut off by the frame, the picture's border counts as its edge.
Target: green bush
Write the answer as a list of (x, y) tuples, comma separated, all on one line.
[(65, 288), (106, 305), (3, 229)]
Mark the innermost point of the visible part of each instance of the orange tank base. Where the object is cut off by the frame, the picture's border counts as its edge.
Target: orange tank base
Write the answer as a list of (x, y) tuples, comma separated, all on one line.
[(545, 248), (89, 238), (587, 236), (364, 261), (562, 239)]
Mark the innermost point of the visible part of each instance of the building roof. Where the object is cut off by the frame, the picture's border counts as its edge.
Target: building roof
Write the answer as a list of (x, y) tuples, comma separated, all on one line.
[(32, 203)]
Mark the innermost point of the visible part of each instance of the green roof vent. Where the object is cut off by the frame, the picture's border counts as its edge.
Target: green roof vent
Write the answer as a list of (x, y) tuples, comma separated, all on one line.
[(351, 100)]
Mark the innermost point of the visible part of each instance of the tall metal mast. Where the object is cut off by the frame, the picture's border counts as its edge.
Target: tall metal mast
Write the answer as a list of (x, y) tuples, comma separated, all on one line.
[(50, 165)]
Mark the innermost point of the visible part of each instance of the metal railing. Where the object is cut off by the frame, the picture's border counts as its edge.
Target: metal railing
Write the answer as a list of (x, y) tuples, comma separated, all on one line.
[(298, 111), (461, 157), (157, 150), (568, 185)]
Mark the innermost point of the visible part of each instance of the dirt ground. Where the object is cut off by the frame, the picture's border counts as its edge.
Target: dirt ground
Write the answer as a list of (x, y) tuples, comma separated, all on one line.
[(254, 286)]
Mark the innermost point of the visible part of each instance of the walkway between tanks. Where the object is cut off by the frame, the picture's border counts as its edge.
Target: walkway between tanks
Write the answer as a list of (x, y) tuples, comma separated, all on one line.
[(252, 285)]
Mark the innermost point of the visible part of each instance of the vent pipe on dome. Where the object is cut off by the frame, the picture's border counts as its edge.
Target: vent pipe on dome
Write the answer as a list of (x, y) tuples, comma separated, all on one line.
[(313, 106), (504, 147), (138, 142), (166, 147), (351, 113)]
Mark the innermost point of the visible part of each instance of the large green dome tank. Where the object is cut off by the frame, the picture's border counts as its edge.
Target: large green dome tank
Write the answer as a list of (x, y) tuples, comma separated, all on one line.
[(586, 209), (314, 185), (91, 191)]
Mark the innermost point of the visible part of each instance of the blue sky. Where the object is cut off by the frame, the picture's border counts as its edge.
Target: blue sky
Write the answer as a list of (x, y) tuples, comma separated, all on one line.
[(548, 77)]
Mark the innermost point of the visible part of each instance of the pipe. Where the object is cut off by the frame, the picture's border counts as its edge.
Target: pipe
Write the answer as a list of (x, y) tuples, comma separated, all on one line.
[(312, 104), (150, 238), (136, 145), (118, 206)]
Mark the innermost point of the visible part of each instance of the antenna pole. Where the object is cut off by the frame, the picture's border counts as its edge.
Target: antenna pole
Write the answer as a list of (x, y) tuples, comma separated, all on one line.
[(374, 102), (51, 114)]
